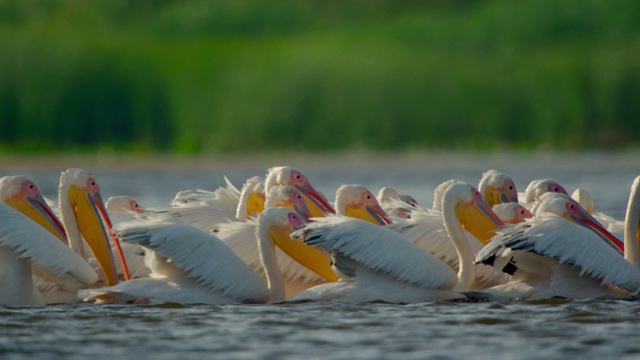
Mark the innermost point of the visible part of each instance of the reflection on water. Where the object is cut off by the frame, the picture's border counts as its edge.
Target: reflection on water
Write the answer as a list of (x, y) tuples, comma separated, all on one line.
[(542, 329)]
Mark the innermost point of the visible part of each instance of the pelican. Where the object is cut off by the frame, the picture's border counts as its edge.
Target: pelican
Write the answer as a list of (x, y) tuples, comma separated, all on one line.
[(299, 274), (562, 251), (33, 247), (123, 203), (512, 212), (122, 209), (225, 198), (85, 219), (287, 175), (583, 197), (378, 264), (432, 230), (208, 215), (537, 188), (193, 267), (358, 202), (497, 187)]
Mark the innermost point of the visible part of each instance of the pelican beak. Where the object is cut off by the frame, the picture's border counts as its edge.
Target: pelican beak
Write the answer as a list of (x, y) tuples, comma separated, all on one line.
[(255, 204), (37, 209), (492, 196), (479, 220), (495, 196), (310, 257), (585, 219), (316, 202), (90, 212), (302, 211), (374, 214)]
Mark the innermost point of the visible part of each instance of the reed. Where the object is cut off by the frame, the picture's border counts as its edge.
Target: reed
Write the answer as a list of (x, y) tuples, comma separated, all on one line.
[(193, 76)]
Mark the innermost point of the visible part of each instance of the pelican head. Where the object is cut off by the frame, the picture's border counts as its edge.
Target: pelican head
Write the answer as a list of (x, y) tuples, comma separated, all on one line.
[(252, 198), (83, 213), (512, 213), (358, 202), (23, 195), (583, 197), (122, 203), (289, 197), (473, 213), (537, 188), (286, 175), (278, 223), (564, 206), (387, 194), (497, 188)]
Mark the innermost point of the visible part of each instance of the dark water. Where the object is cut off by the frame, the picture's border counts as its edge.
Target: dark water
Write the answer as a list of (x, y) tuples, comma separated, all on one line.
[(551, 329)]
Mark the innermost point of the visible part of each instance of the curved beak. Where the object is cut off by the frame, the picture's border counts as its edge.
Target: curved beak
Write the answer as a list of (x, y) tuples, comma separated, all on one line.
[(310, 257), (585, 219), (316, 202), (479, 220), (91, 213), (37, 209), (374, 214), (255, 204)]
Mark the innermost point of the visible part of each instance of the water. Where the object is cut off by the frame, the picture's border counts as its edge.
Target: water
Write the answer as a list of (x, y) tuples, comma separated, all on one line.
[(549, 329)]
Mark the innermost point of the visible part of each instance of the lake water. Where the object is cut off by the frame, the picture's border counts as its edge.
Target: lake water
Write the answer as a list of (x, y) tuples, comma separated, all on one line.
[(550, 329)]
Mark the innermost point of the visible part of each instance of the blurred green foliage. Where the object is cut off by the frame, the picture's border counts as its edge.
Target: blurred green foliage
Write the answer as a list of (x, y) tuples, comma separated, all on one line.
[(249, 75)]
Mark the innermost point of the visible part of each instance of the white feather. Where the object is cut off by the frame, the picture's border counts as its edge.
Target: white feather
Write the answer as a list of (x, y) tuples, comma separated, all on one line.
[(48, 255), (202, 256), (241, 238), (379, 249), (568, 243)]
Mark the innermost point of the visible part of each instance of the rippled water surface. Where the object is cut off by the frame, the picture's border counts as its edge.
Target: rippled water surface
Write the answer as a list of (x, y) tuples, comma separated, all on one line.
[(548, 329)]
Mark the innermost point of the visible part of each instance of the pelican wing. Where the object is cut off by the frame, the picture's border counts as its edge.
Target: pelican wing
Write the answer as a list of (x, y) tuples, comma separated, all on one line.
[(200, 255), (50, 258), (223, 198), (379, 249), (202, 217), (426, 229), (568, 243), (240, 236)]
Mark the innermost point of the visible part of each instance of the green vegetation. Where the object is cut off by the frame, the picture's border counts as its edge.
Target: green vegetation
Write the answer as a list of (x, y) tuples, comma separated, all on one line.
[(247, 75)]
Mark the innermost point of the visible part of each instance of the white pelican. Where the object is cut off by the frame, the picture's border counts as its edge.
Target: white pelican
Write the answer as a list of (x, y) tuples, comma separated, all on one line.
[(192, 267), (35, 242), (375, 264), (497, 187), (225, 198), (208, 215), (123, 203), (26, 249), (24, 195), (358, 202), (432, 230), (562, 251), (512, 212), (537, 188), (122, 209), (583, 197), (378, 264), (85, 219), (286, 175), (240, 236)]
